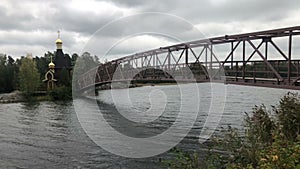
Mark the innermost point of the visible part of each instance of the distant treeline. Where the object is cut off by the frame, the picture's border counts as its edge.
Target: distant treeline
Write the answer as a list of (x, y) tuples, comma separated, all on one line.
[(10, 68), (262, 70)]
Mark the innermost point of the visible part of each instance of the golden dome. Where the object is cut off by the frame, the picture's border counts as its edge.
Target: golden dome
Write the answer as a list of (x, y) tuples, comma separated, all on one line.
[(51, 65), (58, 41)]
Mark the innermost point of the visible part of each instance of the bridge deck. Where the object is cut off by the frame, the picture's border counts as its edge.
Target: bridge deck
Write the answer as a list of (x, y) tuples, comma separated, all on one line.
[(197, 61)]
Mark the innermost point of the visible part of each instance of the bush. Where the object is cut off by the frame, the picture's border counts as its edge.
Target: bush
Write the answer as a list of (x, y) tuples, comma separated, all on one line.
[(182, 160), (288, 114), (267, 143), (61, 93), (282, 153)]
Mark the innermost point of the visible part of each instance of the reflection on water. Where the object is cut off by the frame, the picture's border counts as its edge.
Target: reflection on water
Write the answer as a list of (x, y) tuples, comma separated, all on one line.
[(48, 134)]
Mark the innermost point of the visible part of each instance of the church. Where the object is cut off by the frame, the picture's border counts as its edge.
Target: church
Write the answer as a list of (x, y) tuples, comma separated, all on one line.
[(59, 72)]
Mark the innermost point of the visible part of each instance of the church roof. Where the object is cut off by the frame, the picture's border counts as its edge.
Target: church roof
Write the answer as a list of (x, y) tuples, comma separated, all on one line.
[(61, 60)]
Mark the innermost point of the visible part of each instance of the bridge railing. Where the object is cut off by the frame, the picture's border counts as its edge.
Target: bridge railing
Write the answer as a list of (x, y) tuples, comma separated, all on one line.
[(200, 58)]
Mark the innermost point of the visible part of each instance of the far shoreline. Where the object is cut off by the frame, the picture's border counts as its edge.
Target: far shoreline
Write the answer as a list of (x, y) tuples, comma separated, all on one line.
[(17, 96)]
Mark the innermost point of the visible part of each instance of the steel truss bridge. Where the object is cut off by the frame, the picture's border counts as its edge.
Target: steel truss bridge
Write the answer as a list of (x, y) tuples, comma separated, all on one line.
[(244, 59)]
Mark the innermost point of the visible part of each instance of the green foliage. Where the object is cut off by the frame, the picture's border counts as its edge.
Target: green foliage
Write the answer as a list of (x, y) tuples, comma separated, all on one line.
[(29, 76), (8, 74), (288, 113), (11, 80), (282, 153), (85, 63), (232, 148), (61, 93), (182, 160), (261, 68), (42, 64), (267, 143), (65, 78), (259, 125)]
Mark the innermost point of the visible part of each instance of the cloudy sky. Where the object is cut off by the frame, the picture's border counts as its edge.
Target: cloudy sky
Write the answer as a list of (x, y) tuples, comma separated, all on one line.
[(31, 26)]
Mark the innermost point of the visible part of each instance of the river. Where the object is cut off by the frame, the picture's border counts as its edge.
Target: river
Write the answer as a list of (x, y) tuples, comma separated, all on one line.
[(49, 135)]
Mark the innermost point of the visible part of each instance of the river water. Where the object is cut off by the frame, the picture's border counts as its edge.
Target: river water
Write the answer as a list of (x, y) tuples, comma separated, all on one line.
[(49, 135)]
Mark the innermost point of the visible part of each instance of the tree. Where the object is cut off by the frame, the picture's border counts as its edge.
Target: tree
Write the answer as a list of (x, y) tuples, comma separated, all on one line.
[(2, 73), (64, 77), (74, 58), (11, 79), (42, 65), (29, 77), (84, 63), (8, 74)]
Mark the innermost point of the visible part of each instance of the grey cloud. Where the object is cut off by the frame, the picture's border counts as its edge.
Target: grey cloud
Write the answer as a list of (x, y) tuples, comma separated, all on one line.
[(85, 23), (218, 11), (14, 20), (128, 3), (166, 26), (213, 15), (150, 22)]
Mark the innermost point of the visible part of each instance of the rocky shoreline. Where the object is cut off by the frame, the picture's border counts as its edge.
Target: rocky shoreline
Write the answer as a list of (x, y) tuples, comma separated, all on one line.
[(12, 97)]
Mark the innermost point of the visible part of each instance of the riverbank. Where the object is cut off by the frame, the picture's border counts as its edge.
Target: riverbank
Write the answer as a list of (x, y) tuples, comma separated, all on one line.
[(60, 93), (13, 97), (16, 96), (270, 139)]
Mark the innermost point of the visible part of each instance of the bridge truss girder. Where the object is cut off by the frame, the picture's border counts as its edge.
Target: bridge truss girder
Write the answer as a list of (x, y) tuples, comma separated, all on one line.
[(176, 59)]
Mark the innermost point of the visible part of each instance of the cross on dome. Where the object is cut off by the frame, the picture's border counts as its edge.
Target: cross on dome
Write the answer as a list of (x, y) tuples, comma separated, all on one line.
[(58, 41)]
